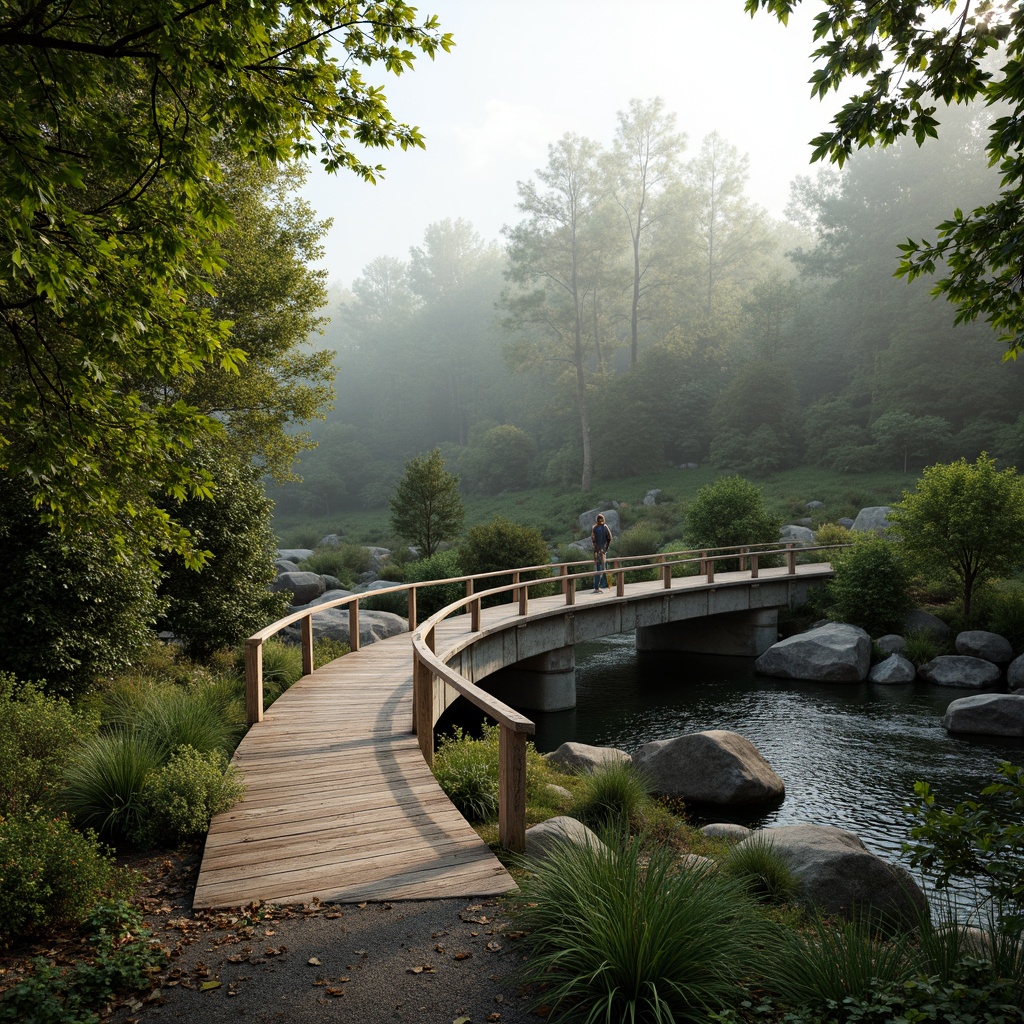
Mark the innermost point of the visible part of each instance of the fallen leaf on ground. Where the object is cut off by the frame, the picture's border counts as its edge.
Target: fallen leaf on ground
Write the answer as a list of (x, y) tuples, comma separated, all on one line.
[(315, 961), (206, 986)]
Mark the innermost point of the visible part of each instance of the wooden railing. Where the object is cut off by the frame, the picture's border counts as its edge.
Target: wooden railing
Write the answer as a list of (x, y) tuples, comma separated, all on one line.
[(428, 668)]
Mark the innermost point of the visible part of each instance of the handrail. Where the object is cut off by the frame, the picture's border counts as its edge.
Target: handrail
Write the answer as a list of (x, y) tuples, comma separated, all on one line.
[(427, 667)]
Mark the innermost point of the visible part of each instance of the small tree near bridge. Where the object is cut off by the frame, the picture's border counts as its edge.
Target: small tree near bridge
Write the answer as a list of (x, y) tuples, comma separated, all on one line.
[(963, 525), (426, 507)]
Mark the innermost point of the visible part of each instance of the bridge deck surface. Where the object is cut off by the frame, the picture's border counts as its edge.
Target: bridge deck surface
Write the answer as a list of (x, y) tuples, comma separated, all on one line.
[(339, 804)]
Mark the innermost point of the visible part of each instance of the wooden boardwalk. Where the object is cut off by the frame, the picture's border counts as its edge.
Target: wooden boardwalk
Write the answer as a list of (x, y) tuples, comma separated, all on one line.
[(340, 805)]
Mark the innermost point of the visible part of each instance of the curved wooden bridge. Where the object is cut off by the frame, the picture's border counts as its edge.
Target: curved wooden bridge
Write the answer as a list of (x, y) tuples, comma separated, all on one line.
[(340, 802)]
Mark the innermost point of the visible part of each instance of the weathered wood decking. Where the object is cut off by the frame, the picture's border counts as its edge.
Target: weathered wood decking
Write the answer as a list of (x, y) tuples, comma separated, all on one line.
[(340, 804)]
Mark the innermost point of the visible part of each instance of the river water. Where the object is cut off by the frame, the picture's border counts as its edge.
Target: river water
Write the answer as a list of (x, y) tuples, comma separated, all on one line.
[(849, 754)]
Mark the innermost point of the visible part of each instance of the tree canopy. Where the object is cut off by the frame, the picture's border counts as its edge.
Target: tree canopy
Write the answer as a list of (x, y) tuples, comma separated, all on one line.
[(116, 120), (911, 62)]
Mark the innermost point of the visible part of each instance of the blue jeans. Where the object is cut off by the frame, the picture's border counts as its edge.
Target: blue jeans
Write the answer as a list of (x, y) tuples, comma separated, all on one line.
[(600, 563)]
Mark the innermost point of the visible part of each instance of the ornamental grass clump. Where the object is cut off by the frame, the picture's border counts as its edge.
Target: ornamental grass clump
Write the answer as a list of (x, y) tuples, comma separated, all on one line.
[(614, 794), (622, 933), (830, 960), (762, 870), (104, 783)]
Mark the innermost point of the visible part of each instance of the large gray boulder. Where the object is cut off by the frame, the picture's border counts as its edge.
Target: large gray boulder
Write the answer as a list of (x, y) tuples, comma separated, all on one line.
[(895, 669), (727, 830), (378, 556), (333, 624), (303, 586), (584, 758), (713, 767), (550, 835), (833, 653), (979, 643), (294, 554), (891, 643), (801, 535), (960, 670), (1015, 673), (920, 621), (872, 520), (611, 518), (837, 873), (283, 565), (987, 714)]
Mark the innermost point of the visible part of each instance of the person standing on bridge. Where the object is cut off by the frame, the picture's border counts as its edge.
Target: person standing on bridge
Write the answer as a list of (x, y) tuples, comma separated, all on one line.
[(601, 537)]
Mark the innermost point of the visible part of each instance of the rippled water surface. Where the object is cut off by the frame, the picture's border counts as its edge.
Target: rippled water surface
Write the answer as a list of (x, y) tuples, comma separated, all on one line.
[(849, 754)]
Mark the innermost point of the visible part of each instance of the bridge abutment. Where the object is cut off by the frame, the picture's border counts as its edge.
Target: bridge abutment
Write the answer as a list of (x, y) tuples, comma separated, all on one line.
[(740, 633), (545, 682)]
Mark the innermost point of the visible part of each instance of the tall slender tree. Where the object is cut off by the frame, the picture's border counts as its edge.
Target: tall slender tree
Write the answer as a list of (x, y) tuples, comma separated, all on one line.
[(553, 267), (643, 166)]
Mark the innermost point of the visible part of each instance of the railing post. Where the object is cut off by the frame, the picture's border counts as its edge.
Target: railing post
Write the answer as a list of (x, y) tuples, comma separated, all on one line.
[(515, 593), (563, 572), (524, 599), (474, 616), (307, 645), (620, 582), (666, 576), (512, 789), (469, 588), (570, 591), (753, 566), (711, 570), (423, 707), (412, 608), (253, 681), (353, 626), (743, 559), (791, 559)]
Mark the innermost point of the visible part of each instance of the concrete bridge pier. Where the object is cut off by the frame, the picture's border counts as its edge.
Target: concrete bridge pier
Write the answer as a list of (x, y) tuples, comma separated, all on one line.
[(545, 682), (740, 633)]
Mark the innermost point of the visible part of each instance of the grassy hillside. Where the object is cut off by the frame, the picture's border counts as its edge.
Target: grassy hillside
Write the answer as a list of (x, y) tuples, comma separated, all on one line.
[(555, 510)]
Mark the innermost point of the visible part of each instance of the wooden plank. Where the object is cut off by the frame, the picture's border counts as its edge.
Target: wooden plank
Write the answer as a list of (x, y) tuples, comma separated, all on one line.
[(340, 804)]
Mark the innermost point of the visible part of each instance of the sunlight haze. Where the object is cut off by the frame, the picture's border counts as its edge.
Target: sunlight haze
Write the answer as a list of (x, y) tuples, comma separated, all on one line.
[(522, 75)]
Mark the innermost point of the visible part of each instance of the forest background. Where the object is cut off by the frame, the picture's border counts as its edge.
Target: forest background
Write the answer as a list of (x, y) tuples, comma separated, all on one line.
[(645, 314)]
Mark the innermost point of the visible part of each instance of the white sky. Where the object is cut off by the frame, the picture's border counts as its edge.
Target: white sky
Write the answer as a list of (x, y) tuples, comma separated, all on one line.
[(524, 72)]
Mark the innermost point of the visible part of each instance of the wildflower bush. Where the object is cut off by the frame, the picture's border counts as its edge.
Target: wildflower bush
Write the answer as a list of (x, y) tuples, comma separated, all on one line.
[(50, 875), (179, 799), (38, 731)]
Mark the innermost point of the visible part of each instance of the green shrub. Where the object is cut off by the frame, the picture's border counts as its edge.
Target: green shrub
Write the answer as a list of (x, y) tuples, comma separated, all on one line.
[(105, 780), (833, 533), (396, 603), (181, 797), (326, 649), (727, 512), (870, 588), (50, 875), (612, 796), (441, 565), (38, 731), (345, 562), (467, 770), (621, 934), (763, 871), (1002, 612), (123, 959), (501, 544), (979, 839)]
